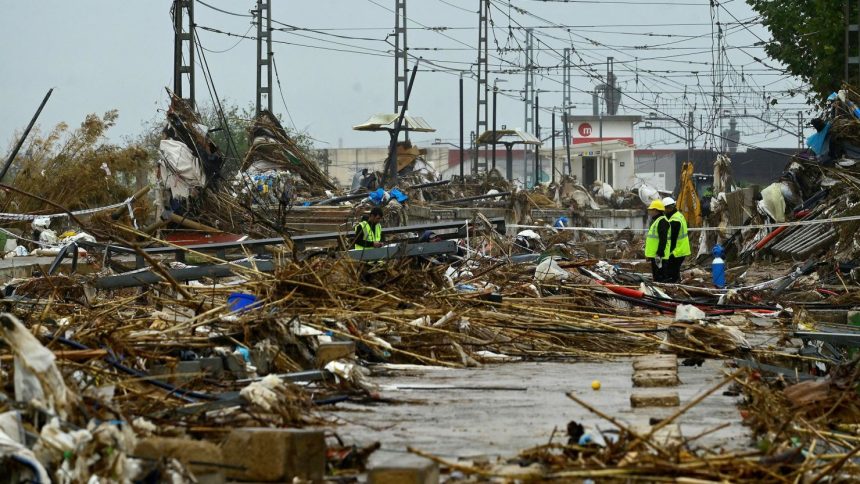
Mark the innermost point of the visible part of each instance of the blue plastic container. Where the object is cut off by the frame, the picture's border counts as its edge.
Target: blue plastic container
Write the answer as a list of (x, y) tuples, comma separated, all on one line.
[(239, 301), (718, 267), (398, 195)]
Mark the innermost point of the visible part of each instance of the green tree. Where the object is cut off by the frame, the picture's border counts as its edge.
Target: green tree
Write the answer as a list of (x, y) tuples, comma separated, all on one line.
[(239, 123), (808, 37)]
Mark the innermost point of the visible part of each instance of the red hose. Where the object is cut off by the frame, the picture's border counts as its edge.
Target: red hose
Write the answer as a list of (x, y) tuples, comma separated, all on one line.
[(624, 291), (770, 237)]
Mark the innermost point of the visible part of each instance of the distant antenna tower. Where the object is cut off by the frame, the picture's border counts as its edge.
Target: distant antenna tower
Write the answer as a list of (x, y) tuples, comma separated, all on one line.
[(482, 114), (731, 137), (611, 92), (264, 59), (183, 41)]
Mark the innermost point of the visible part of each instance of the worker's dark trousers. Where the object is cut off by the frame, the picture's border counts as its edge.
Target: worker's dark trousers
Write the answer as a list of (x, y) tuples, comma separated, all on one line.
[(658, 273), (672, 266)]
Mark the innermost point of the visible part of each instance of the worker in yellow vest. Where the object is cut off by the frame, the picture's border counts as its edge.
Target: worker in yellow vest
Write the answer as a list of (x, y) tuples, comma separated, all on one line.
[(657, 241), (368, 232), (679, 241)]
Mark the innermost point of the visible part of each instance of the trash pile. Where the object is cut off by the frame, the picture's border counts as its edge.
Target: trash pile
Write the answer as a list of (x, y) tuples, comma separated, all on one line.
[(276, 169), (94, 374), (235, 319), (792, 216)]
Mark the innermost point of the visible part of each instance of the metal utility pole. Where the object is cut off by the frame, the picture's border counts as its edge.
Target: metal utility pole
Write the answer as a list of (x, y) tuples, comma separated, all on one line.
[(566, 128), (483, 90), (800, 130), (690, 136), (23, 138), (566, 102), (529, 93), (536, 173), (495, 97), (462, 127), (264, 58), (183, 41), (552, 143), (852, 42), (401, 66), (395, 132)]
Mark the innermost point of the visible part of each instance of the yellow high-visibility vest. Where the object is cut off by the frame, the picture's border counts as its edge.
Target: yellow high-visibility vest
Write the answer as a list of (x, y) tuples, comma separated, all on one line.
[(682, 245), (652, 240), (370, 234)]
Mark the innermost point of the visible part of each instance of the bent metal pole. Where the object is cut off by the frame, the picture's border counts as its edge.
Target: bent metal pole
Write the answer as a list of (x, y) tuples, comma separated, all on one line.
[(24, 136)]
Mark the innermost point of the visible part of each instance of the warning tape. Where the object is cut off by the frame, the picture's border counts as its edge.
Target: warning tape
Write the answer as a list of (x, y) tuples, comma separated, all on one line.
[(820, 221), (24, 217)]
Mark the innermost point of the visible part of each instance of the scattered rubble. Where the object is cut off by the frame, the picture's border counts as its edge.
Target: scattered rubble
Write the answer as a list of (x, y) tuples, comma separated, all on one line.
[(210, 338)]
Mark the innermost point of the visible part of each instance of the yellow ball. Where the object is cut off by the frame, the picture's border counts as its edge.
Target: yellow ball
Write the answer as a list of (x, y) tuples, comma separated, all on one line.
[(595, 385)]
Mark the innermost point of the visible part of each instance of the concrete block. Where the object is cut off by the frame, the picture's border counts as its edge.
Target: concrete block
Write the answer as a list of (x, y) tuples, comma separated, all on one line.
[(213, 367), (188, 370), (235, 365), (407, 469), (335, 350), (656, 362), (199, 456), (655, 378), (275, 455), (641, 398)]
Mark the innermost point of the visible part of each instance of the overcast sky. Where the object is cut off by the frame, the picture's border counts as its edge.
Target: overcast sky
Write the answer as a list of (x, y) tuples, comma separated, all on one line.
[(101, 55)]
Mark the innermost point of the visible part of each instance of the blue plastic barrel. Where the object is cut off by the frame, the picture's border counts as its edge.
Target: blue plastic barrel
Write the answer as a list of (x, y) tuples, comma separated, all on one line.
[(240, 301)]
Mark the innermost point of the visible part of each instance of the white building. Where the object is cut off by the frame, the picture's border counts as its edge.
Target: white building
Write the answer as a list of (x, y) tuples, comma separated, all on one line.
[(602, 149), (345, 162)]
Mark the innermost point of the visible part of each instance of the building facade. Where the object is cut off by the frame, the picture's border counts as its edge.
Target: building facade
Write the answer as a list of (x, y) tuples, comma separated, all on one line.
[(602, 148)]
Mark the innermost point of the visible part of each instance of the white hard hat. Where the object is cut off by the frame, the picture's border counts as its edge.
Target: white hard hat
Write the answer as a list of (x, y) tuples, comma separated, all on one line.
[(668, 201)]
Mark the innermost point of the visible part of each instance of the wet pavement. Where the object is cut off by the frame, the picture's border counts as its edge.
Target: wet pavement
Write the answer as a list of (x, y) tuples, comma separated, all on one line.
[(499, 410)]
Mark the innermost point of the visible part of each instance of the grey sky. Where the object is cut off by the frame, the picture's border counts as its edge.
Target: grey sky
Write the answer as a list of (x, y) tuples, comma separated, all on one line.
[(101, 54)]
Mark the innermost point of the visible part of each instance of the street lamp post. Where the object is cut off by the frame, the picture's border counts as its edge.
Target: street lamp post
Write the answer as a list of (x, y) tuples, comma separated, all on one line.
[(495, 96), (462, 161)]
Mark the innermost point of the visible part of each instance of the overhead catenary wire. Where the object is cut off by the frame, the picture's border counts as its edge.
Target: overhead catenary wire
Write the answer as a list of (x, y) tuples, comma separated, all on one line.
[(664, 100)]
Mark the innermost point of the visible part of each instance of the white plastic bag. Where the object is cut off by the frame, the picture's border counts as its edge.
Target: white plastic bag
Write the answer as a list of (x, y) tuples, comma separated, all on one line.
[(549, 270), (39, 372), (688, 313)]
